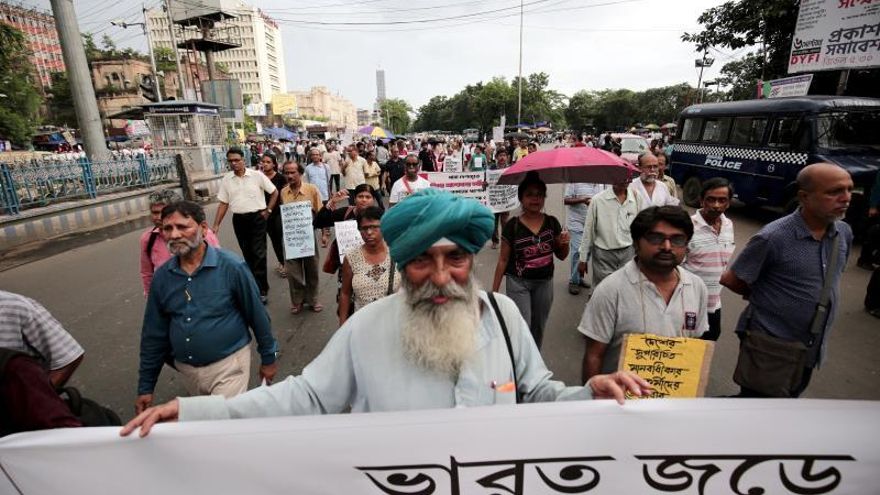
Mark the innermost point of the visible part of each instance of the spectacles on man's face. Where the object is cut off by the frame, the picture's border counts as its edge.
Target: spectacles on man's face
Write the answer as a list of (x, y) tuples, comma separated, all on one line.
[(656, 239)]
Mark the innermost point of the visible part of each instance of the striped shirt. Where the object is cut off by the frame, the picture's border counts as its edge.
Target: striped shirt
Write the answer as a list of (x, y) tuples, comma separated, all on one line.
[(28, 327), (709, 254)]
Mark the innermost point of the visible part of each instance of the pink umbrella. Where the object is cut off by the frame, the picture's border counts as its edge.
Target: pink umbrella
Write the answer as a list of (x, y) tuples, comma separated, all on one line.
[(568, 165)]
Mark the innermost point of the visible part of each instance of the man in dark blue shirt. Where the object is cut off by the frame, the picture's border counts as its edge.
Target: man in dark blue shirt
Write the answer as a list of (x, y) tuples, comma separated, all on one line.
[(782, 269), (200, 306)]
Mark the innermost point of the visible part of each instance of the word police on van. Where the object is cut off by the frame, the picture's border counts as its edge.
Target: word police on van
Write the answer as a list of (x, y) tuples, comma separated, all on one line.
[(718, 161)]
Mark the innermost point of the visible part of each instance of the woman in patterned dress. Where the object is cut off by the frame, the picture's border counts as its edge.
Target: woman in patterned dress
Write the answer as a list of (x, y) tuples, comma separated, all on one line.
[(368, 274)]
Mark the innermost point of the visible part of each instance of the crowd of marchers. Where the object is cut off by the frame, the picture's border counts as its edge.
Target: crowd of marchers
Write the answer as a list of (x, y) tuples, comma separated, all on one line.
[(417, 330)]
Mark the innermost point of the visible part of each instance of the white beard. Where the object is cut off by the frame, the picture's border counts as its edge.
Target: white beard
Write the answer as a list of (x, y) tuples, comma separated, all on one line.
[(440, 337)]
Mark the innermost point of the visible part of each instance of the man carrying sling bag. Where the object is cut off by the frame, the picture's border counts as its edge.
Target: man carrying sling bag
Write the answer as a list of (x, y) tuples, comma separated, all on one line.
[(790, 273), (775, 367)]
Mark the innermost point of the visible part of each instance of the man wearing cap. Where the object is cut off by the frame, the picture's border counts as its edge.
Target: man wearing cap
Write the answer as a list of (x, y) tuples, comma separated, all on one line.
[(438, 343)]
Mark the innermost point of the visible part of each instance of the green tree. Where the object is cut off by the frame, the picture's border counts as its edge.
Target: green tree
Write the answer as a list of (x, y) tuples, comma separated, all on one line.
[(19, 99), (109, 45), (738, 24), (60, 101), (395, 113), (741, 76), (582, 110), (164, 59), (92, 50)]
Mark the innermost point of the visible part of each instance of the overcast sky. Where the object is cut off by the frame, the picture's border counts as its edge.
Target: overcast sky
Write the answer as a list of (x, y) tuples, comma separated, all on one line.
[(581, 44)]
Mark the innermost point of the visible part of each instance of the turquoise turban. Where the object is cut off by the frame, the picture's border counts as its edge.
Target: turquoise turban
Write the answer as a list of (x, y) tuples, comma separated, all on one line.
[(416, 223)]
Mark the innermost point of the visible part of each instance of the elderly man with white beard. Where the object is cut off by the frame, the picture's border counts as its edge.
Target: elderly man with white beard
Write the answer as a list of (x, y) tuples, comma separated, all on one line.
[(649, 190), (440, 342)]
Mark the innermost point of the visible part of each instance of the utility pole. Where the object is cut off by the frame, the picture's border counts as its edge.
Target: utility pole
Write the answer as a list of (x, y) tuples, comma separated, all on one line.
[(152, 56), (180, 79), (84, 102), (519, 96), (702, 64)]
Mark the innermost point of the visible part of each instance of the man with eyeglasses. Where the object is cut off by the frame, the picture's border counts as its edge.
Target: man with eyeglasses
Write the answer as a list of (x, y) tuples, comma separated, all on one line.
[(650, 294), (241, 191)]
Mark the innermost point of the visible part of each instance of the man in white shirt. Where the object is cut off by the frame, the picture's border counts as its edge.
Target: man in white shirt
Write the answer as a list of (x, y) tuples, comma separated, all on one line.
[(577, 198), (332, 158), (649, 190), (712, 245), (409, 183), (241, 191), (353, 171), (440, 342), (650, 294), (606, 241)]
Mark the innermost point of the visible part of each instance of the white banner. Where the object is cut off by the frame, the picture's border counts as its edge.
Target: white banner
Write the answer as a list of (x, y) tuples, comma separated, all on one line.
[(348, 237), (835, 34), (501, 198), (467, 184), (299, 235), (682, 446), (789, 86)]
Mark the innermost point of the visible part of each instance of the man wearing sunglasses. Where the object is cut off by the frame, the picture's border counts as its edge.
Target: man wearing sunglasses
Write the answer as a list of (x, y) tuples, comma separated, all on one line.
[(650, 294)]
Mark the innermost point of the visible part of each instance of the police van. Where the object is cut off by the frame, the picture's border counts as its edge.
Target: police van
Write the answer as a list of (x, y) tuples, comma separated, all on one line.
[(761, 145)]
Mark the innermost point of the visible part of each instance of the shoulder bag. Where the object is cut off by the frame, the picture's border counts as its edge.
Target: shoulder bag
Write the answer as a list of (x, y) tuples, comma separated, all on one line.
[(773, 366), (500, 317)]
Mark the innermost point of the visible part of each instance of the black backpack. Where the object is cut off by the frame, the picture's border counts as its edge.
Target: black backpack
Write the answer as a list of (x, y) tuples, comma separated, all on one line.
[(89, 412)]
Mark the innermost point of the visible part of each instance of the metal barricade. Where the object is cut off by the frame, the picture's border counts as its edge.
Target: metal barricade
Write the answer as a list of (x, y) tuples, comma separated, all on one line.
[(40, 183)]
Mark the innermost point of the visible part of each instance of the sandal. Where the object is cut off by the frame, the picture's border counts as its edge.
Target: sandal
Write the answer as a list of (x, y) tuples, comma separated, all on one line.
[(296, 309), (317, 307)]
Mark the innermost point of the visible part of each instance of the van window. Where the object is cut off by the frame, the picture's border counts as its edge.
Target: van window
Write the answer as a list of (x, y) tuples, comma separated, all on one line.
[(715, 130), (782, 135), (690, 131), (748, 130)]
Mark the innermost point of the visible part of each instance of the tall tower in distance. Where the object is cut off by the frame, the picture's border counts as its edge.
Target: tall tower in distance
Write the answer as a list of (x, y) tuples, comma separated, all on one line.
[(380, 85)]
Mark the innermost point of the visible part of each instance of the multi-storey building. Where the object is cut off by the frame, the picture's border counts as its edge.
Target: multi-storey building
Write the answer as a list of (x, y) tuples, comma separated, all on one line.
[(258, 63), (42, 38), (380, 85), (320, 102)]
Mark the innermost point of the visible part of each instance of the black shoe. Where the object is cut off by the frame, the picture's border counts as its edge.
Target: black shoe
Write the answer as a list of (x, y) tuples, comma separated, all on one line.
[(573, 289)]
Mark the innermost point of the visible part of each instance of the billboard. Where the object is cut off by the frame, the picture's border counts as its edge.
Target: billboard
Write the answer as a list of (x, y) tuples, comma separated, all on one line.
[(787, 86), (835, 34), (283, 104)]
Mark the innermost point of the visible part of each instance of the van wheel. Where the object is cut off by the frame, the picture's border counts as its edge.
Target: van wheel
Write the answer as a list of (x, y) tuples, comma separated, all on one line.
[(691, 191)]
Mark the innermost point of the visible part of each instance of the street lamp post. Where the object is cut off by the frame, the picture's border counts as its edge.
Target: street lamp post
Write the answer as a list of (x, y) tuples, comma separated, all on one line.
[(125, 25), (702, 64)]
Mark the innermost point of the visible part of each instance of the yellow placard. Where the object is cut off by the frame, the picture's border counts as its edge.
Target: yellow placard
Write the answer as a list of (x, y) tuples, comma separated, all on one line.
[(283, 104), (674, 366)]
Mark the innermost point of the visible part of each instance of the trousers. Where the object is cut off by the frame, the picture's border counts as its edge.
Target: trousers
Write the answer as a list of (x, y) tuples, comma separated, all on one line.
[(227, 377), (250, 232), (534, 299), (605, 262), (302, 277)]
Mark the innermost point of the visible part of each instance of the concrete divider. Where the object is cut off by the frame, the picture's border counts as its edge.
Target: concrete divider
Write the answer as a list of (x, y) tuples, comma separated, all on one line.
[(40, 224)]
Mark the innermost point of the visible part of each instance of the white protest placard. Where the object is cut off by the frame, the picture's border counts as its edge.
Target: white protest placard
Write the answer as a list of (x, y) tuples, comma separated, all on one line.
[(501, 198), (466, 184), (681, 446), (454, 162), (348, 237), (835, 34), (297, 230), (498, 134)]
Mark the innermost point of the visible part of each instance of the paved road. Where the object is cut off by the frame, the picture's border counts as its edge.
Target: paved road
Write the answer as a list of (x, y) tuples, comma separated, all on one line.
[(94, 290)]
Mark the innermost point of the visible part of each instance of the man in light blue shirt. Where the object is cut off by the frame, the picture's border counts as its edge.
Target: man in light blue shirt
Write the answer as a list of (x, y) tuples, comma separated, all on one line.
[(436, 344)]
